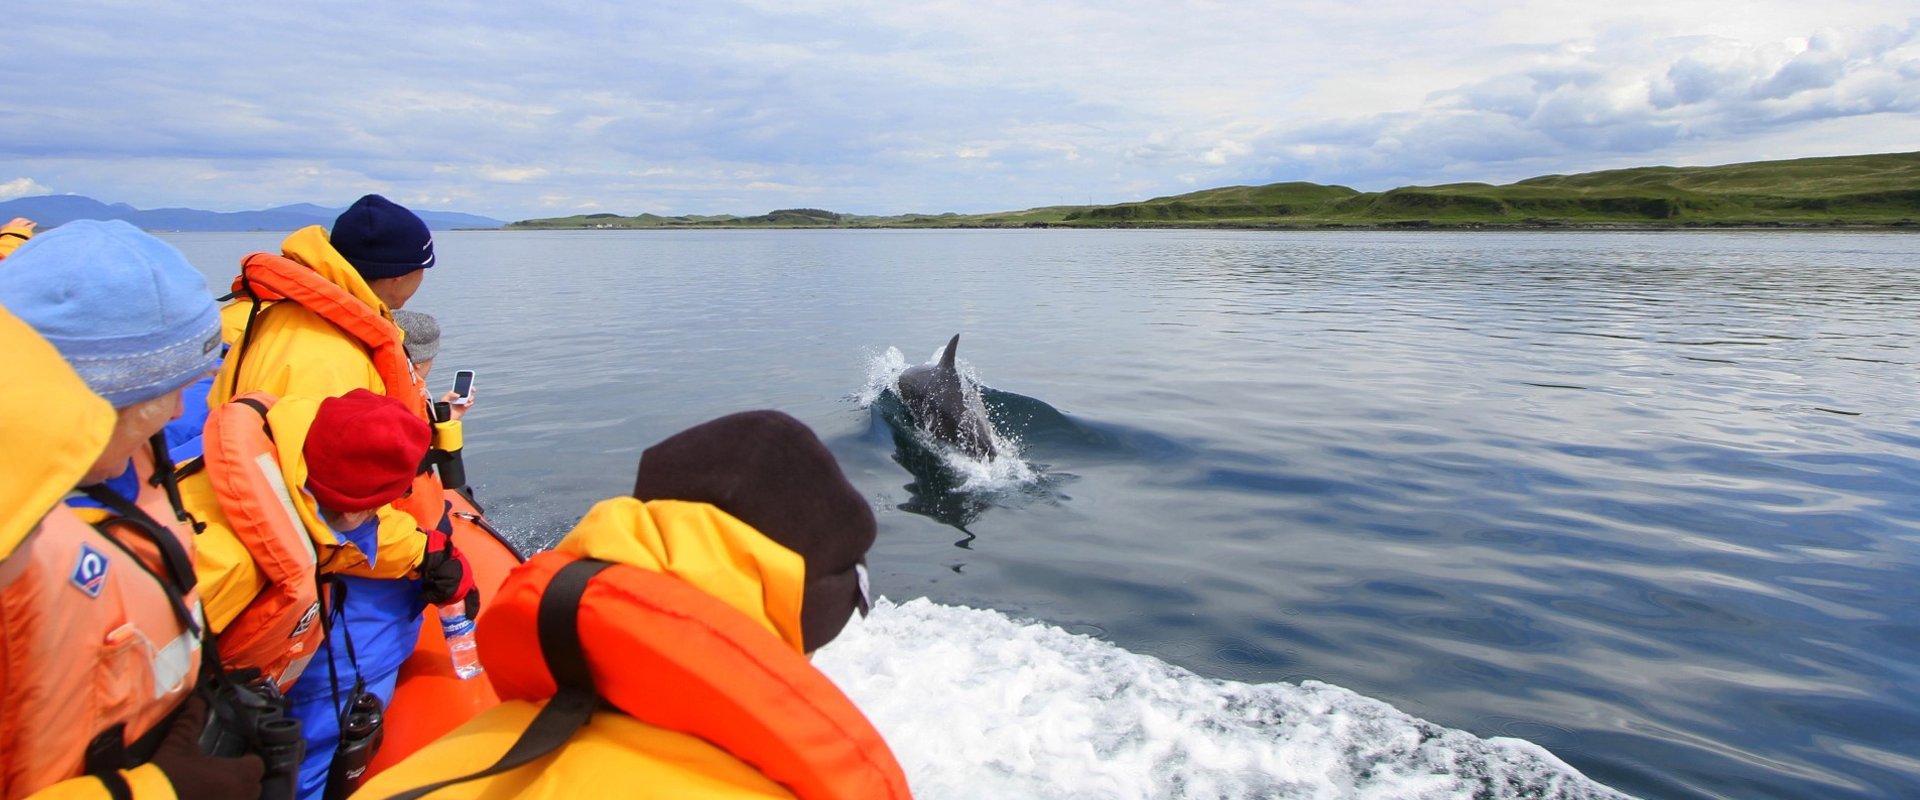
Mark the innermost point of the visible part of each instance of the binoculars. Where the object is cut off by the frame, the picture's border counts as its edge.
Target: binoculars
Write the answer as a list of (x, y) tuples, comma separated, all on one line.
[(251, 717), (360, 734)]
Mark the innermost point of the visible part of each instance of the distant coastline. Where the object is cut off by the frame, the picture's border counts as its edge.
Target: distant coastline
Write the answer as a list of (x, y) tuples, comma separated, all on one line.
[(1862, 192), (1869, 192)]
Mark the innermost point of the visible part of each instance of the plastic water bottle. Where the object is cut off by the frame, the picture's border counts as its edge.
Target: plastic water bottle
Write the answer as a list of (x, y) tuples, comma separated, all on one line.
[(459, 630)]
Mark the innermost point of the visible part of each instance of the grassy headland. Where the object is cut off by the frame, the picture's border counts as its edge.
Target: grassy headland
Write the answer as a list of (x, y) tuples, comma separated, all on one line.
[(1871, 190)]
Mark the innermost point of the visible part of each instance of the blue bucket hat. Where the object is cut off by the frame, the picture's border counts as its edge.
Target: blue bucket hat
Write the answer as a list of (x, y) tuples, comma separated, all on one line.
[(381, 238), (125, 309)]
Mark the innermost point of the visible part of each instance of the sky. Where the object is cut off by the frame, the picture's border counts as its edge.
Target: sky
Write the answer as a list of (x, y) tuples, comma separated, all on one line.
[(521, 110)]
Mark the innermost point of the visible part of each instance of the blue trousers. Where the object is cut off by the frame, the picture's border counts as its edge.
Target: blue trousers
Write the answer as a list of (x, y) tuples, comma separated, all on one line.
[(383, 618), (320, 723)]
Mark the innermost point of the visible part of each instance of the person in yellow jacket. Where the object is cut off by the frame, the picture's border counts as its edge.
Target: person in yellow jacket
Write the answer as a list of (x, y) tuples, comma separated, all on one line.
[(13, 234), (80, 616), (660, 650), (374, 261)]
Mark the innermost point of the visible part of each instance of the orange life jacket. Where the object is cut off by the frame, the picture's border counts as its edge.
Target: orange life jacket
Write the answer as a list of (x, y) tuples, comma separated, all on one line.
[(101, 642), (279, 630), (672, 656), (268, 277)]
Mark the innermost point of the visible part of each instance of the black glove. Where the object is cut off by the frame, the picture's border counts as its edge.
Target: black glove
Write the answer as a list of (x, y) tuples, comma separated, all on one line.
[(196, 774)]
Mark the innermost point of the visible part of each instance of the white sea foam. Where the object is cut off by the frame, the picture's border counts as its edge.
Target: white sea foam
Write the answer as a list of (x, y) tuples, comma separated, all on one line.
[(978, 705), (883, 373)]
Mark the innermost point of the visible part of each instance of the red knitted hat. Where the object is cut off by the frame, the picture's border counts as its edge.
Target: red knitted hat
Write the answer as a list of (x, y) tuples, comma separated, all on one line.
[(363, 451)]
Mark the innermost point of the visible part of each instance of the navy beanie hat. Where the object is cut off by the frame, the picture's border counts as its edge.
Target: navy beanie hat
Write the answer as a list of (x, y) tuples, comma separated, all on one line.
[(382, 239), (125, 309)]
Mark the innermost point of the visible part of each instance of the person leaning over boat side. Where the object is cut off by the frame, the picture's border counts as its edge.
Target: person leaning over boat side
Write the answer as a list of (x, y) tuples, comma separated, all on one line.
[(360, 452), (263, 547), (322, 326), (13, 234), (660, 649), (98, 655)]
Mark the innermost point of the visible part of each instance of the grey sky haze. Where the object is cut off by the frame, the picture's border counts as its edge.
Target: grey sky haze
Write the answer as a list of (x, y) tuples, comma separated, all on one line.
[(517, 111)]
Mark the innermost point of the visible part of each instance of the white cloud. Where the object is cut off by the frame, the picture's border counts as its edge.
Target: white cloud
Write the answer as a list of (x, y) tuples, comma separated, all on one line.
[(1589, 102), (513, 174), (22, 187)]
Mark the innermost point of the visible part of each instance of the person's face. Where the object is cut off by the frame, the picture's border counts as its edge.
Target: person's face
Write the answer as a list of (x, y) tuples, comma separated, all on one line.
[(421, 368), (132, 427), (344, 521)]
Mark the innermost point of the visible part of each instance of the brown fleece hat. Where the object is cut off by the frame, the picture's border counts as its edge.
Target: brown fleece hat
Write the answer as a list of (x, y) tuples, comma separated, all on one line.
[(770, 471)]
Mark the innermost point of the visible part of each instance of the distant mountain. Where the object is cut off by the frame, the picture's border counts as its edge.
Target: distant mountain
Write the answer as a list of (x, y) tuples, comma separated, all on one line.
[(55, 209)]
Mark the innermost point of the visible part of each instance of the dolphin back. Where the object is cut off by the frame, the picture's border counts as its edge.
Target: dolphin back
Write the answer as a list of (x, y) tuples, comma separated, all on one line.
[(937, 399)]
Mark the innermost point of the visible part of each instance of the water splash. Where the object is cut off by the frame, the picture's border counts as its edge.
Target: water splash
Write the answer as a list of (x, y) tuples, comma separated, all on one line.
[(1005, 472), (976, 704)]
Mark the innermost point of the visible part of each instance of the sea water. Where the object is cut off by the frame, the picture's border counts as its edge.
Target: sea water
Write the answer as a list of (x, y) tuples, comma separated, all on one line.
[(1324, 514)]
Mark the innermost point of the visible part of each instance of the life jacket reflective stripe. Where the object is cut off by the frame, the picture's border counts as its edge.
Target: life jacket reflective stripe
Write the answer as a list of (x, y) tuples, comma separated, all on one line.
[(670, 655), (268, 278), (89, 645), (279, 629)]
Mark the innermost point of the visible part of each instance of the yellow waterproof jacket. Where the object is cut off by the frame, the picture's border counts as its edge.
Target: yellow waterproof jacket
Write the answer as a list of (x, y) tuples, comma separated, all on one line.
[(294, 352), (54, 428), (13, 234), (693, 638)]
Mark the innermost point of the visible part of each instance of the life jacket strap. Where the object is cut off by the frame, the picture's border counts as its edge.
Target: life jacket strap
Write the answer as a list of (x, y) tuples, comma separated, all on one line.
[(167, 478), (246, 336), (569, 709), (116, 785), (179, 578)]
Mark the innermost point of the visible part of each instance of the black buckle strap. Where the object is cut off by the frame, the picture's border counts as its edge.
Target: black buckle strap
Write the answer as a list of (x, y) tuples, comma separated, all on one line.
[(246, 336), (166, 477), (568, 710)]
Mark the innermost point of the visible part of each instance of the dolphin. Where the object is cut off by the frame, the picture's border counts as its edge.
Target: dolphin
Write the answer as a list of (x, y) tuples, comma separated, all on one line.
[(938, 398)]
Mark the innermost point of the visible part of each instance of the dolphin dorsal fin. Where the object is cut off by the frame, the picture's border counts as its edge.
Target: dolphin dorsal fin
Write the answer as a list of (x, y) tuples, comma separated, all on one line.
[(946, 359)]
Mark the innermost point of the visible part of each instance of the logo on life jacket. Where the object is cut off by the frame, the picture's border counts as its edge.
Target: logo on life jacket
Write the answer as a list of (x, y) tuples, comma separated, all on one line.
[(306, 621), (90, 572)]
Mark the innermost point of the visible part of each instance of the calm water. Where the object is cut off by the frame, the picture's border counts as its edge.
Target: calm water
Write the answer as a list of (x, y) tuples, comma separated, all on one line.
[(1646, 500)]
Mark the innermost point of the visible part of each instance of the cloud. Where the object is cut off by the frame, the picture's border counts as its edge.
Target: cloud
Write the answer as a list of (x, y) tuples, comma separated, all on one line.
[(941, 105), (22, 187), (1593, 100)]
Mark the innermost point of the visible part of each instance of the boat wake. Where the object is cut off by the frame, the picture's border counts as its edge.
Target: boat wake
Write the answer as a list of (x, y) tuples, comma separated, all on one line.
[(976, 704)]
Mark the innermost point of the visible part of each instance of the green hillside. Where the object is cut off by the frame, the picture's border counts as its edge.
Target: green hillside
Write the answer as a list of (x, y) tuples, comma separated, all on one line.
[(1871, 190)]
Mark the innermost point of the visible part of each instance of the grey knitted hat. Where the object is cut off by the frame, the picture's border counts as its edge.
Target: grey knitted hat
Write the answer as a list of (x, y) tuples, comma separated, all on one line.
[(423, 334)]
